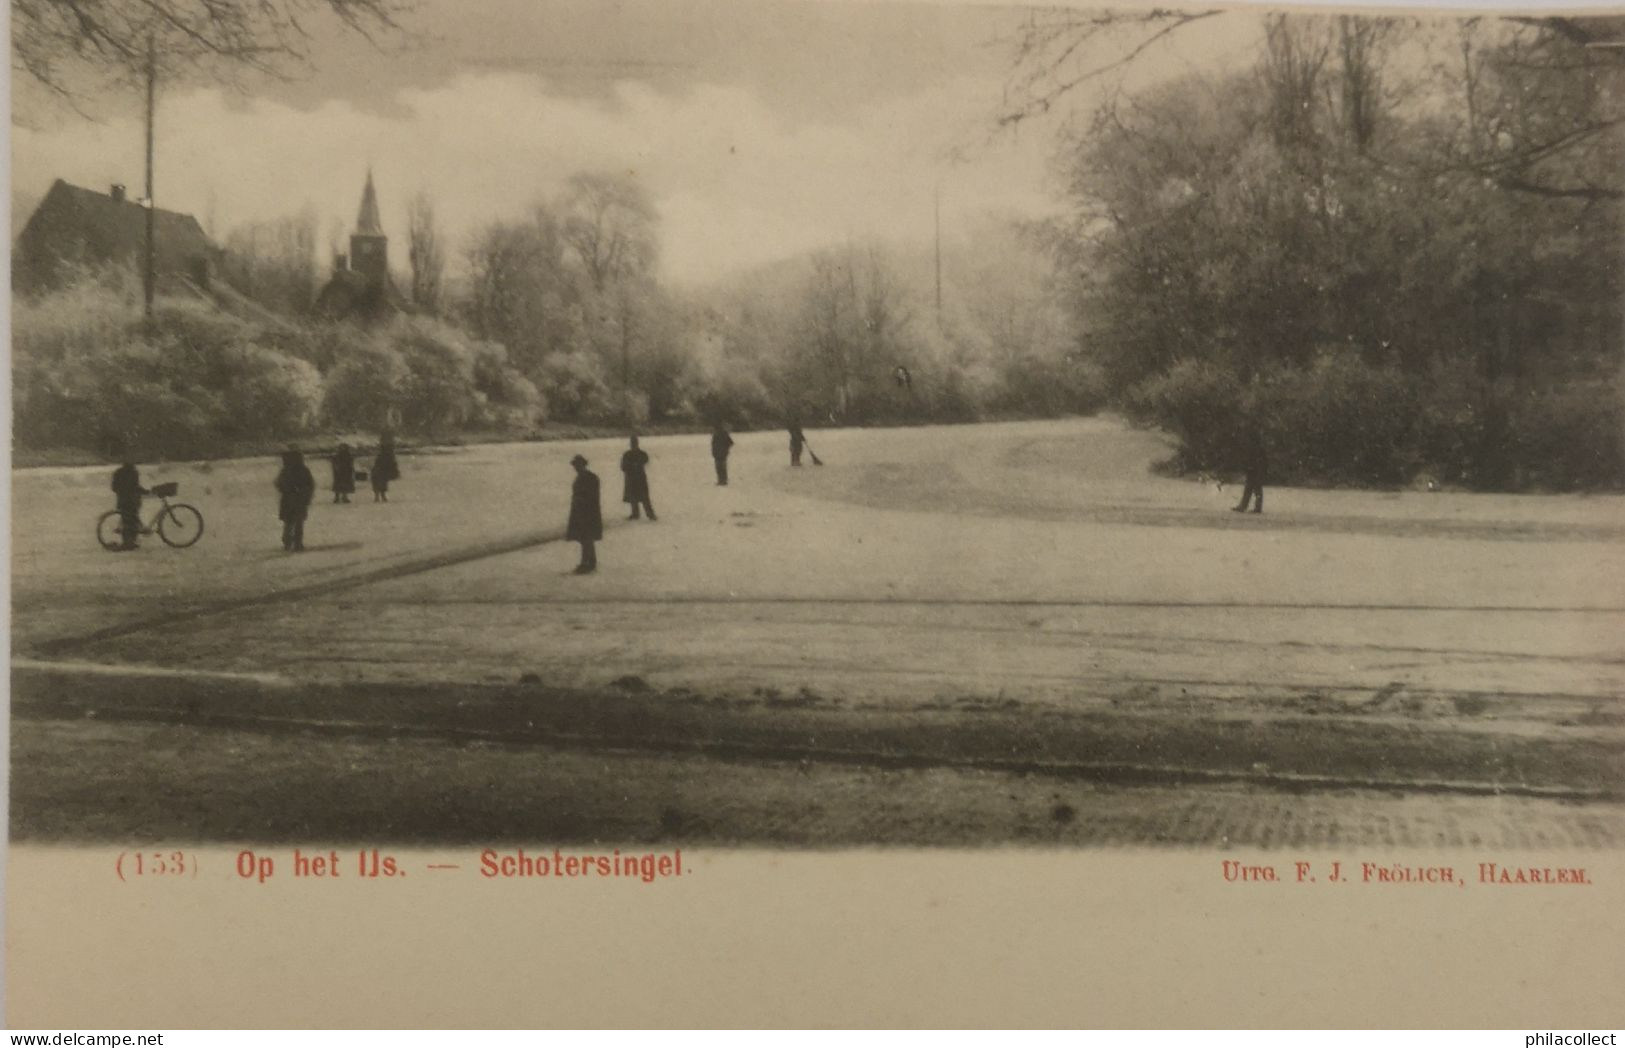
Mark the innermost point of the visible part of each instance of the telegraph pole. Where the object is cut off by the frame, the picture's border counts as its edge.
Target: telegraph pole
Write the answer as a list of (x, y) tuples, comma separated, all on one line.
[(939, 254), (149, 274)]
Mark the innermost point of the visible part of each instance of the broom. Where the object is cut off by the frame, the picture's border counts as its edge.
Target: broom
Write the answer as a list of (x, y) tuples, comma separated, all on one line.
[(816, 460)]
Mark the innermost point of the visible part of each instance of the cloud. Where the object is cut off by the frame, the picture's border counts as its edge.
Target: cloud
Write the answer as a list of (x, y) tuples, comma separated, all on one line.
[(737, 183)]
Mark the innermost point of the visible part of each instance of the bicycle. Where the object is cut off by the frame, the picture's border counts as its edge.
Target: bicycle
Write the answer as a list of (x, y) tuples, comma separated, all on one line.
[(178, 524)]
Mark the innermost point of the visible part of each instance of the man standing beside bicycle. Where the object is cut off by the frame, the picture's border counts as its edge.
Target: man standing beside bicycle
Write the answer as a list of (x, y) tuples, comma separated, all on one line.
[(128, 491)]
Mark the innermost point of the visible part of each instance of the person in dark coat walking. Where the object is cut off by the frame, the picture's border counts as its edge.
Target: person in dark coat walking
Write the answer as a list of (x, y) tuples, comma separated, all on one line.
[(635, 466), (343, 474), (798, 440), (127, 490), (721, 442), (296, 487), (1255, 461), (586, 516), (384, 467)]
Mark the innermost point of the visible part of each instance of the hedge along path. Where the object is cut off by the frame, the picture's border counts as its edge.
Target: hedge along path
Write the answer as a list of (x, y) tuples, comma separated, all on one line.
[(400, 569)]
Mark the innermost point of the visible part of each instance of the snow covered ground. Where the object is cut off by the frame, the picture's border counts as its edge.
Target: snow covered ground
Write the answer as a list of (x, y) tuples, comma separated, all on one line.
[(1010, 572), (1024, 560)]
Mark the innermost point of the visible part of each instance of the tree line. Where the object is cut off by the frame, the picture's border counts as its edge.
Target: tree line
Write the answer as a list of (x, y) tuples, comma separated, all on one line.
[(1390, 245), (1392, 248), (554, 316)]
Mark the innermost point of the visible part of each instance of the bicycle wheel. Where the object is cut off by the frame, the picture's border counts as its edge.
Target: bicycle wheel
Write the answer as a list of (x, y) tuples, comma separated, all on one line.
[(110, 530), (180, 526)]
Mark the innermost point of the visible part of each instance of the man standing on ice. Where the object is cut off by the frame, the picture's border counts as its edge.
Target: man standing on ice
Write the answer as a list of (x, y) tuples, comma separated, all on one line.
[(721, 442), (635, 491), (586, 516), (1255, 462)]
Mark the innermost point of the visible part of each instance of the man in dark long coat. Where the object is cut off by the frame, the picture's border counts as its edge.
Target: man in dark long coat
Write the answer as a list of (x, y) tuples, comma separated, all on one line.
[(586, 516), (1255, 462), (798, 440), (296, 487), (721, 442), (635, 467), (384, 467), (343, 474), (127, 490)]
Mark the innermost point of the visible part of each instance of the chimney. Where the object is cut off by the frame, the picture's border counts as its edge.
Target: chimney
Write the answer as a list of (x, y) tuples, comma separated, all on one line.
[(339, 262), (117, 192)]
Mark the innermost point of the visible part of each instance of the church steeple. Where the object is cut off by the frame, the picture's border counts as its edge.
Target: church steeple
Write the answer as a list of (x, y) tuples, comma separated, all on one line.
[(369, 247), (367, 222)]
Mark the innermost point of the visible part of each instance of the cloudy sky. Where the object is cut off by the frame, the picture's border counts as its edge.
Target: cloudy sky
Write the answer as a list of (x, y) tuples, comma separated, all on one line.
[(761, 129)]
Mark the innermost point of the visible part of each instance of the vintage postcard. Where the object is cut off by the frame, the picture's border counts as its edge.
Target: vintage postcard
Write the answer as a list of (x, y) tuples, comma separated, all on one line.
[(537, 513)]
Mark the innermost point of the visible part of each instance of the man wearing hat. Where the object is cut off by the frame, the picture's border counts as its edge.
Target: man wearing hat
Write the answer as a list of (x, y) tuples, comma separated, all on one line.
[(127, 490), (586, 516)]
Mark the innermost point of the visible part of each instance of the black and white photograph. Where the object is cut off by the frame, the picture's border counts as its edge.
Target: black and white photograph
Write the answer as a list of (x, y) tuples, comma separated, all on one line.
[(522, 429)]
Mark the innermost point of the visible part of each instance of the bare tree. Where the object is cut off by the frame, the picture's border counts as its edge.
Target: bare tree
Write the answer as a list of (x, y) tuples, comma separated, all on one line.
[(274, 261), (1058, 50), (60, 43), (425, 253), (855, 318), (1543, 107), (1360, 45), (610, 224), (828, 304), (883, 312), (1295, 52), (518, 287)]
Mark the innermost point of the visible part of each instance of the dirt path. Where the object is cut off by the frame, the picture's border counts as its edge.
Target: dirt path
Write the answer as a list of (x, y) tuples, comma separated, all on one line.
[(181, 784)]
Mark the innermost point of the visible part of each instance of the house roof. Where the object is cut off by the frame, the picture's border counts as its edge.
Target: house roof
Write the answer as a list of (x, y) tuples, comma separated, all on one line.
[(349, 294), (76, 225)]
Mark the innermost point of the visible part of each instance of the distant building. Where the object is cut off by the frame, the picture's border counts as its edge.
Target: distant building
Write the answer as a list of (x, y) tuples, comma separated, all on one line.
[(361, 288), (74, 229)]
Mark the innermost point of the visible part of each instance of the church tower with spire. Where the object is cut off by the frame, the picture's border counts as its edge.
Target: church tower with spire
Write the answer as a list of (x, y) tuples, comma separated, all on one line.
[(369, 247), (361, 288)]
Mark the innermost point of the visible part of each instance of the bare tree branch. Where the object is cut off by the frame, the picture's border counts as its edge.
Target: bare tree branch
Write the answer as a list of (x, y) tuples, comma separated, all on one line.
[(1051, 39), (70, 47)]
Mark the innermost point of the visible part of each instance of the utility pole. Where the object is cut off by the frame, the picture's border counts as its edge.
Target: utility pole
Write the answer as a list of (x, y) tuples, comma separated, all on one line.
[(149, 281), (939, 254), (626, 364)]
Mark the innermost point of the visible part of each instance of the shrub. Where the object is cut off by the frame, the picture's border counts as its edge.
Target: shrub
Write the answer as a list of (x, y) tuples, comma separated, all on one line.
[(323, 343), (1048, 387), (1448, 437), (509, 399), (92, 373), (1570, 438), (439, 392), (1200, 403), (575, 388), (197, 333), (1338, 420), (955, 393), (735, 397), (47, 327), (146, 405), (367, 388), (270, 395)]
